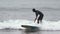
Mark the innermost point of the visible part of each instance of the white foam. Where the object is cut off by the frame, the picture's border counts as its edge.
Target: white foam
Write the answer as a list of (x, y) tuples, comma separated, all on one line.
[(16, 24)]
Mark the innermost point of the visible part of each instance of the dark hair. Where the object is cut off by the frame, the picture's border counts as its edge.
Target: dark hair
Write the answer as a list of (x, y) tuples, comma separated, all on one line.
[(33, 9)]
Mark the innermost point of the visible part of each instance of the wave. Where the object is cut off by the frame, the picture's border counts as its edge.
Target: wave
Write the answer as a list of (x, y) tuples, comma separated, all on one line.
[(16, 24)]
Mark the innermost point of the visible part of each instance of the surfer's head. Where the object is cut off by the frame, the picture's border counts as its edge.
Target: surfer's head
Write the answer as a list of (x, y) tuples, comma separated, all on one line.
[(33, 9)]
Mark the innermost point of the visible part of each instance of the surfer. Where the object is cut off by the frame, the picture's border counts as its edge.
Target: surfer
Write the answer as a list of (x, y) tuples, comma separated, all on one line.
[(37, 12)]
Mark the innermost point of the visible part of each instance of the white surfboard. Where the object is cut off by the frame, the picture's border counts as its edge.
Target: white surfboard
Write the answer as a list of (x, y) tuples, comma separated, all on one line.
[(30, 28)]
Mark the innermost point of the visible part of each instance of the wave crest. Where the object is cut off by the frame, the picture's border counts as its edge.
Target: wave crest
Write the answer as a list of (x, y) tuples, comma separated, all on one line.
[(16, 24)]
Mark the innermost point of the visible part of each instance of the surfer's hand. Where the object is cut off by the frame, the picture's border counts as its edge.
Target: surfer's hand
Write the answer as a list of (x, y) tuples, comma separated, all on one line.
[(34, 20)]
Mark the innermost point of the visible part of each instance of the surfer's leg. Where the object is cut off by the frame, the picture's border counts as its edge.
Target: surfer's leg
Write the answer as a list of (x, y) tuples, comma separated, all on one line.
[(41, 17), (38, 19)]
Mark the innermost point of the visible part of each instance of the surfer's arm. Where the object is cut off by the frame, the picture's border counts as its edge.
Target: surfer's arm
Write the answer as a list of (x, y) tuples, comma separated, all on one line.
[(36, 17)]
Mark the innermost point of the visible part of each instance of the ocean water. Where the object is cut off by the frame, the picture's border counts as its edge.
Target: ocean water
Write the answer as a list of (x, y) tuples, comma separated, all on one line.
[(14, 18), (14, 13), (23, 32), (11, 20)]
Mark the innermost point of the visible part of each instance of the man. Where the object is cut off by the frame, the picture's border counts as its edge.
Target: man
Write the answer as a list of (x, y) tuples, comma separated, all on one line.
[(38, 13)]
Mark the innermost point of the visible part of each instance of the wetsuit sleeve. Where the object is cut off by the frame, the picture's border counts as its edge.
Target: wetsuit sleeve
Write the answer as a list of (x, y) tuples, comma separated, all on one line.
[(36, 16)]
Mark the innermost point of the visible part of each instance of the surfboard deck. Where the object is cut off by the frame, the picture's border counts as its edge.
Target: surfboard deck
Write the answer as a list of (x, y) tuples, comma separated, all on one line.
[(30, 28)]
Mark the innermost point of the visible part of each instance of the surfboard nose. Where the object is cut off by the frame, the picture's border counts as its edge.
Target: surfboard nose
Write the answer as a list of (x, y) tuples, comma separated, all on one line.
[(30, 28)]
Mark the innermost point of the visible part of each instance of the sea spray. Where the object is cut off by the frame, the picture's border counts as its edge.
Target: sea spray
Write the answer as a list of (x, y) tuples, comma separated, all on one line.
[(16, 24)]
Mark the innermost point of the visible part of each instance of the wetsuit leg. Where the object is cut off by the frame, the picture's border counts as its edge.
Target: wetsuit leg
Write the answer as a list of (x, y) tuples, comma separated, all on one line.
[(40, 18)]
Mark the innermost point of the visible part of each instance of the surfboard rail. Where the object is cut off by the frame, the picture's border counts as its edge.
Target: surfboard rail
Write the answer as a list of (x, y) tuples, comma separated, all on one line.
[(30, 28)]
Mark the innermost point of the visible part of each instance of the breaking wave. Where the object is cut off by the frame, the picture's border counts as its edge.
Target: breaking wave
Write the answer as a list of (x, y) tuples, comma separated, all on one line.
[(16, 24)]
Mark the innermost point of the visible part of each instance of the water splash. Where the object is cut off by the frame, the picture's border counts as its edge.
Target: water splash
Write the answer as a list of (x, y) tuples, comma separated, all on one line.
[(16, 24)]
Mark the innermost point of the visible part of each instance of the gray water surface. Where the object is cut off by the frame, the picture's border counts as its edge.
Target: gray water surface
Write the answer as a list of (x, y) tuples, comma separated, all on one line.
[(23, 32)]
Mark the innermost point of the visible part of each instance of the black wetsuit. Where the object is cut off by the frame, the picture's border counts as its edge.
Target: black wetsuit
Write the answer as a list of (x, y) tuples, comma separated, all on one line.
[(40, 16)]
